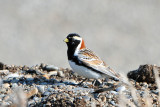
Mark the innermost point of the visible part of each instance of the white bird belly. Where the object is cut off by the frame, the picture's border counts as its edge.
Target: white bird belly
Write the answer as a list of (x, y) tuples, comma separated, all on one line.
[(85, 72)]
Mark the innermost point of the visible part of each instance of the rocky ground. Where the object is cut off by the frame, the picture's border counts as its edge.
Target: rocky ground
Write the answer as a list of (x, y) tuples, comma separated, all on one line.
[(47, 85)]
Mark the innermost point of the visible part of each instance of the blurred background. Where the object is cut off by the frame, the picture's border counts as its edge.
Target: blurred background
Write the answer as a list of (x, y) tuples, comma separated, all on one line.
[(124, 33)]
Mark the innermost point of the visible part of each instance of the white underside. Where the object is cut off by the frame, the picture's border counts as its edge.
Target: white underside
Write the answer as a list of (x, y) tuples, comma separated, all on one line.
[(85, 72)]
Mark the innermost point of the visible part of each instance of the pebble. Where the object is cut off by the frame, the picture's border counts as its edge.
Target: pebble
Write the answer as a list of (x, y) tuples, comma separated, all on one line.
[(113, 103), (54, 73), (38, 72), (51, 68), (32, 92), (2, 95), (53, 81), (6, 85), (114, 92), (14, 75), (46, 93), (59, 87), (87, 98), (142, 94), (4, 72), (14, 85), (48, 104), (145, 85), (45, 76), (93, 104), (103, 98), (155, 91), (50, 89), (5, 103), (36, 99), (14, 80), (109, 96), (61, 74), (6, 98), (96, 95), (2, 90), (1, 66), (70, 83), (121, 89), (30, 103), (41, 88)]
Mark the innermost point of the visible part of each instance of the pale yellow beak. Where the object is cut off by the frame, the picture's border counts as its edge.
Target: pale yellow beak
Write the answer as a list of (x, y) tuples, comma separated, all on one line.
[(66, 40)]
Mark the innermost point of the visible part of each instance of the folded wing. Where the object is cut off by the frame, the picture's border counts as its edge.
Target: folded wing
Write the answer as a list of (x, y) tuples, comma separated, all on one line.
[(90, 59)]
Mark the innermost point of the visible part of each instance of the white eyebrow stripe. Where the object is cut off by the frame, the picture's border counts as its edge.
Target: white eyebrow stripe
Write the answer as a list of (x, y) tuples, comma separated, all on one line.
[(77, 38)]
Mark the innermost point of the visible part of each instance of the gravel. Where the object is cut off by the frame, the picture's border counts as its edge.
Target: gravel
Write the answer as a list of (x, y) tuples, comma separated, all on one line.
[(57, 86)]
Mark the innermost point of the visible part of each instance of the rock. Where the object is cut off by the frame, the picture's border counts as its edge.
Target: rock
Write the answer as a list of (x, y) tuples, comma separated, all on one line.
[(32, 92), (114, 92), (109, 96), (2, 96), (51, 68), (2, 66), (86, 98), (36, 99), (5, 104), (103, 98), (70, 83), (60, 88), (144, 73), (25, 68), (38, 72), (60, 73), (53, 81), (121, 89), (14, 85), (155, 91), (6, 98), (46, 93), (41, 88), (50, 89), (4, 72), (42, 65), (96, 95), (2, 90), (54, 73), (31, 103), (48, 104), (80, 102), (29, 77), (142, 94), (45, 76), (113, 103), (6, 85), (31, 71), (144, 84), (15, 80), (15, 75)]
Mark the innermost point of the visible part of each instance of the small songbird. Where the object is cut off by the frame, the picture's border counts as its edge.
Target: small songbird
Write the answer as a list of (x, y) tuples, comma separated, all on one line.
[(85, 62)]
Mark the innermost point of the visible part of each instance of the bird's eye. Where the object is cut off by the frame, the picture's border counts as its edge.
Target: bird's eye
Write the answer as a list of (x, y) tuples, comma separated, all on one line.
[(73, 42)]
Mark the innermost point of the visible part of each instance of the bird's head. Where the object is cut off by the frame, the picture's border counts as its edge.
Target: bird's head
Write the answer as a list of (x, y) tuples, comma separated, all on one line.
[(73, 40)]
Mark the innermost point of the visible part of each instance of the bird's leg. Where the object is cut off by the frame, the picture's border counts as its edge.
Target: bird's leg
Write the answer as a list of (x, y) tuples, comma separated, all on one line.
[(94, 82), (97, 82), (82, 81)]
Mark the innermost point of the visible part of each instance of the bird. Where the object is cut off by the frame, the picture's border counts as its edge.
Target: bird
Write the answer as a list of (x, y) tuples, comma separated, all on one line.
[(85, 62)]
